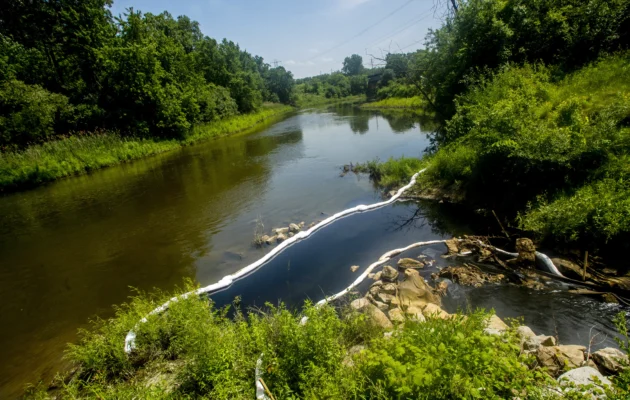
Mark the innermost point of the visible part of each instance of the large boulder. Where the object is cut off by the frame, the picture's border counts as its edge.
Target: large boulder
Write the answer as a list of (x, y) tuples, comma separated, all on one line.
[(569, 269), (389, 288), (281, 231), (377, 316), (415, 314), (533, 343), (559, 358), (294, 228), (524, 332), (389, 274), (281, 237), (404, 263), (495, 326), (433, 310), (396, 315), (584, 376), (452, 246), (414, 290), (610, 360)]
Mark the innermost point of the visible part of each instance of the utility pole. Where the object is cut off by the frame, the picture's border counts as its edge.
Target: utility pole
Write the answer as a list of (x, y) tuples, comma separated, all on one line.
[(275, 63)]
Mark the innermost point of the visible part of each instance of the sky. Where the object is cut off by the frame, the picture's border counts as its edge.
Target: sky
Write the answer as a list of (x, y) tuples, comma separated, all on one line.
[(306, 37)]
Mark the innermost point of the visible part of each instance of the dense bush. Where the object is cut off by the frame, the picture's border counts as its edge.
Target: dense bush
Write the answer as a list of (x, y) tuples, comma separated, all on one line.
[(560, 145), (194, 350)]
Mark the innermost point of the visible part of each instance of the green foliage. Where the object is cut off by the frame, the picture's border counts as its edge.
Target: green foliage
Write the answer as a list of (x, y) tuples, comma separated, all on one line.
[(392, 172), (195, 350), (413, 102), (70, 66), (484, 35), (29, 113), (353, 65), (558, 145)]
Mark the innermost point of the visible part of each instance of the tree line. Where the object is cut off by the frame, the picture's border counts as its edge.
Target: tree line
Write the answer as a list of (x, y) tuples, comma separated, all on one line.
[(70, 66)]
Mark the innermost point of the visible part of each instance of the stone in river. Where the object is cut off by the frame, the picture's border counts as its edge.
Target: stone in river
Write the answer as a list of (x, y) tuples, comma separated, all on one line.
[(281, 237), (389, 274), (294, 228), (354, 268)]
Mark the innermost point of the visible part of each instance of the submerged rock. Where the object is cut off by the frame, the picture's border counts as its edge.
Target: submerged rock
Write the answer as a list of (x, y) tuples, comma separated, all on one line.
[(409, 263), (294, 228), (469, 275), (354, 268), (279, 231), (610, 360), (389, 274)]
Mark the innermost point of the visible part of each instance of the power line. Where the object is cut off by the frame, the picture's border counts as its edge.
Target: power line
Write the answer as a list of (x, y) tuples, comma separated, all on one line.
[(416, 42), (405, 26), (363, 31)]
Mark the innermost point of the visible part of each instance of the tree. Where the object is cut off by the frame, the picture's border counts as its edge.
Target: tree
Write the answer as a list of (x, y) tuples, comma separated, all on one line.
[(353, 65)]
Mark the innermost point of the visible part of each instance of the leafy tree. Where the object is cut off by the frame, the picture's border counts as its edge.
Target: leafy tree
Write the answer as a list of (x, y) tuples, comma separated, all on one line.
[(353, 65)]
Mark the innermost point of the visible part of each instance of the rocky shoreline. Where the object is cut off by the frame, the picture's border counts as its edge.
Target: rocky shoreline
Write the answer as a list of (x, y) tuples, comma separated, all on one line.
[(400, 293)]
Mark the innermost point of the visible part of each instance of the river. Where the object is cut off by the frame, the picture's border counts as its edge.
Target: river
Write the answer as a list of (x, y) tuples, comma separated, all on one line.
[(72, 249)]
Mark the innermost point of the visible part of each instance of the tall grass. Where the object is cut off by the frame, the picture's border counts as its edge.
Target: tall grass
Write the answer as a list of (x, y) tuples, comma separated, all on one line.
[(306, 100), (391, 173), (79, 154), (415, 103), (196, 351)]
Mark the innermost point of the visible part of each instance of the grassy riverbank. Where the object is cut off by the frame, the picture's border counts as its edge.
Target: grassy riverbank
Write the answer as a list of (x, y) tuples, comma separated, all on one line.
[(78, 154), (412, 103), (306, 100), (195, 351)]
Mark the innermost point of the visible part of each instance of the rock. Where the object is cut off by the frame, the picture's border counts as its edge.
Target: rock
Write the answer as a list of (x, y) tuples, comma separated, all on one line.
[(291, 234), (389, 274), (375, 288), (354, 268), (526, 251), (301, 224), (415, 313), (359, 304), (558, 358), (451, 246), (380, 305), (441, 288), (468, 275), (384, 297), (294, 228), (377, 316), (524, 332), (378, 275), (371, 275), (271, 239), (281, 237), (496, 326), (389, 288), (533, 284), (585, 376), (610, 360), (409, 263), (263, 239), (533, 343), (396, 315), (279, 231), (415, 290), (433, 310), (569, 269)]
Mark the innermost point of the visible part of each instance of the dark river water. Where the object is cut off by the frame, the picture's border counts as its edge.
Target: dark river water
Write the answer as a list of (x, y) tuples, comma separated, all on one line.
[(72, 249)]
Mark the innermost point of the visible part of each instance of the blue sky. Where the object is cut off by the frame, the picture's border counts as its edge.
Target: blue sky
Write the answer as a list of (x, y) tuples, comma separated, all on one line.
[(308, 37)]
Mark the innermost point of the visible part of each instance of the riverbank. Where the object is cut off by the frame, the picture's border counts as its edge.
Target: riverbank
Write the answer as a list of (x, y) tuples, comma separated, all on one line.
[(411, 103), (306, 100), (396, 341), (555, 149), (79, 154)]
